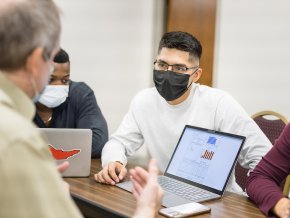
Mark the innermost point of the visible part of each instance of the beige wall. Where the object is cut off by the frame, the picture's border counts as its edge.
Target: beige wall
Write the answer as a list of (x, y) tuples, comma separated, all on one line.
[(252, 59), (112, 45)]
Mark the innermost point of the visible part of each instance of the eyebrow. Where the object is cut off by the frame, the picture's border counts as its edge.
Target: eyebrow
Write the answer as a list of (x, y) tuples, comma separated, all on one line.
[(53, 76)]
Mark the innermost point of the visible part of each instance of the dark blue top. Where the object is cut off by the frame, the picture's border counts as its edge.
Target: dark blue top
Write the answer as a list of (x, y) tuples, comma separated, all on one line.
[(80, 110)]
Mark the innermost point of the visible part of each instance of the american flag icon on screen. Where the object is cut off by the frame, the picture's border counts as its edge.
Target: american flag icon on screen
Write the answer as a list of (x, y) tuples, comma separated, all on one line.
[(207, 154)]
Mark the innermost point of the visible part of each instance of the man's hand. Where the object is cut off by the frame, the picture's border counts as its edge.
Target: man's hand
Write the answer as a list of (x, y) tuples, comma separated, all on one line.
[(146, 190), (282, 208), (112, 173)]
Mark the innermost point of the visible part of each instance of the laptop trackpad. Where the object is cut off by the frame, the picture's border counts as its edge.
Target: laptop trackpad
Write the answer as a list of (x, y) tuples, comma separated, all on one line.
[(126, 185), (171, 200)]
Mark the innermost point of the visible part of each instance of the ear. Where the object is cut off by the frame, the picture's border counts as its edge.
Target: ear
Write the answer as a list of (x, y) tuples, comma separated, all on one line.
[(35, 61), (197, 75)]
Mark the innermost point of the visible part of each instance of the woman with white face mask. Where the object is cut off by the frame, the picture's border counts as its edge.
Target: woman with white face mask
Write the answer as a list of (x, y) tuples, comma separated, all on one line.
[(68, 104)]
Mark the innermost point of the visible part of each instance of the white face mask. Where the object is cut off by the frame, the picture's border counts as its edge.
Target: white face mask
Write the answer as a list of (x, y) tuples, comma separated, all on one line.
[(54, 95), (36, 93)]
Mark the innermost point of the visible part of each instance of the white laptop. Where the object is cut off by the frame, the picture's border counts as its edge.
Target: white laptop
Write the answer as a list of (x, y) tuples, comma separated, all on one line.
[(72, 145), (200, 166)]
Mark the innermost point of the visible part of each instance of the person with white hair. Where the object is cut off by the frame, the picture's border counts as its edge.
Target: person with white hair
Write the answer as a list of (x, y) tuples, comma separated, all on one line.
[(30, 184)]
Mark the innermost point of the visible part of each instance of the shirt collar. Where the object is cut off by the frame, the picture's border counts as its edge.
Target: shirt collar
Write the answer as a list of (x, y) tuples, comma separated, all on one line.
[(15, 98)]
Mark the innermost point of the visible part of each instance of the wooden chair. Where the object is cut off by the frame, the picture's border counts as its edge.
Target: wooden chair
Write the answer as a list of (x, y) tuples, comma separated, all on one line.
[(272, 124)]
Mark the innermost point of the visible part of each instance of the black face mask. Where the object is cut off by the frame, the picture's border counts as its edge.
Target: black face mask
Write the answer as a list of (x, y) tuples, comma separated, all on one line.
[(169, 84)]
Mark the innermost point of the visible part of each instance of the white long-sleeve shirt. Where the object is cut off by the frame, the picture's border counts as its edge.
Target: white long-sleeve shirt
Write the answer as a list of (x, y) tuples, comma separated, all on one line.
[(152, 120)]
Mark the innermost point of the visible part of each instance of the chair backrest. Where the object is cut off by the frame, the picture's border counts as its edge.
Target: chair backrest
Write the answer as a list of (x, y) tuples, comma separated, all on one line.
[(272, 124)]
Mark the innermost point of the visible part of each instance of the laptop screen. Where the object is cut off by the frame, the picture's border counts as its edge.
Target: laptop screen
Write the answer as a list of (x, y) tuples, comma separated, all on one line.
[(205, 157)]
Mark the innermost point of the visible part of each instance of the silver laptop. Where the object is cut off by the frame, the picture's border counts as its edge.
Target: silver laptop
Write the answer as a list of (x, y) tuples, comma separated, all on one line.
[(72, 145), (200, 166)]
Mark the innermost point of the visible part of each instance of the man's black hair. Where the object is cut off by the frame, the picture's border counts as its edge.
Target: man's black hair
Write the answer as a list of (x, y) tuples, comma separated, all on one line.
[(61, 57), (181, 41)]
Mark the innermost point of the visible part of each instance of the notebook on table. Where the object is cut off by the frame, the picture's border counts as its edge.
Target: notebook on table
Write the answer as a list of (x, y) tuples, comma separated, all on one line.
[(72, 145), (200, 166)]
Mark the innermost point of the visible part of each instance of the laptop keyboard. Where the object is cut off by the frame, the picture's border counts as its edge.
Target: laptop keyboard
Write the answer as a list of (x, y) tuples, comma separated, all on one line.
[(184, 190)]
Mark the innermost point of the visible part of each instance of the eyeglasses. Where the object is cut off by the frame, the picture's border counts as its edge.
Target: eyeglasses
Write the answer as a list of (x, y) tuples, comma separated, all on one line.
[(163, 66)]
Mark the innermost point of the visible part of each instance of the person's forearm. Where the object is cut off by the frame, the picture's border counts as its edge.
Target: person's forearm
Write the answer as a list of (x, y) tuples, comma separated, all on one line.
[(264, 199), (113, 151)]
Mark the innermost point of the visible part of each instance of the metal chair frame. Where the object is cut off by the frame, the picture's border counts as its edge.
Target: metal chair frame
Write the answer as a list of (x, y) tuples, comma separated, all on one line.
[(286, 189), (270, 113)]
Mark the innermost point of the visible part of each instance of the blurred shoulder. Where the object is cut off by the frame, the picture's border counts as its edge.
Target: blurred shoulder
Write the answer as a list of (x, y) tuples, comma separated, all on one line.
[(14, 127)]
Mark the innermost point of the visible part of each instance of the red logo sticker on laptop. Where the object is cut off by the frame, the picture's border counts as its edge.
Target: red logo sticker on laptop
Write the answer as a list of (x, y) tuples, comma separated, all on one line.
[(60, 154)]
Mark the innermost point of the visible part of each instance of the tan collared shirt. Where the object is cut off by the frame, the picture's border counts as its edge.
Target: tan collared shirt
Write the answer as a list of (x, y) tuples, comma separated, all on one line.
[(30, 185)]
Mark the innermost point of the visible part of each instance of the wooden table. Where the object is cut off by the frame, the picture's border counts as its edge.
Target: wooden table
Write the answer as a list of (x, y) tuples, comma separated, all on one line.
[(98, 200)]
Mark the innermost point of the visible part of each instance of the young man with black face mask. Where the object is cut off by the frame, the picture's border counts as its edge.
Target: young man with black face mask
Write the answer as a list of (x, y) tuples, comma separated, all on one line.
[(68, 104), (158, 115)]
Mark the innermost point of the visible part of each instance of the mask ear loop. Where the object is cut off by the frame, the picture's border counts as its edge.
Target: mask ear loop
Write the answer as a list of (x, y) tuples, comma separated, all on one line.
[(191, 75)]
